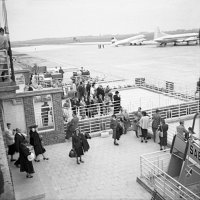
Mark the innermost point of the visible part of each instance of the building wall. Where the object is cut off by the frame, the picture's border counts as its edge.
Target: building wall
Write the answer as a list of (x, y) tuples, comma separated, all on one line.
[(14, 113), (52, 136), (6, 184)]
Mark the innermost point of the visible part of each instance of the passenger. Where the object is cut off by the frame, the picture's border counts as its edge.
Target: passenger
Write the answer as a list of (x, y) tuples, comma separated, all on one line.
[(126, 120), (144, 124), (181, 129), (135, 127), (36, 142), (155, 123), (79, 144), (163, 128), (81, 91), (113, 126), (88, 87), (61, 71), (25, 164), (117, 102), (10, 140)]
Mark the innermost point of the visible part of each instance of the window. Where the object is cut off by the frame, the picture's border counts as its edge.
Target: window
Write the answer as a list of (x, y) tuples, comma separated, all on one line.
[(43, 112)]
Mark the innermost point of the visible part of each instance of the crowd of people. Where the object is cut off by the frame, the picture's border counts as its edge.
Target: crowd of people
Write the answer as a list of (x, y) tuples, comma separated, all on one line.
[(89, 101), (17, 142)]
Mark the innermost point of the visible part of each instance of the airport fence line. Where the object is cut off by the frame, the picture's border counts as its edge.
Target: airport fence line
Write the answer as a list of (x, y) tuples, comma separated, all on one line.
[(4, 67), (167, 87), (101, 123), (153, 172)]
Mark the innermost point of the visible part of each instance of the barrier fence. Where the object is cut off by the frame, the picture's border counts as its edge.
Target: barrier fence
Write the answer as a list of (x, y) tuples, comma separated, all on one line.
[(100, 123), (153, 168)]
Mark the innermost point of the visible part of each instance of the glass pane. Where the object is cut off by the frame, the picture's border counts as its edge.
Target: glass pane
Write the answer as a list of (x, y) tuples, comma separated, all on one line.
[(43, 112)]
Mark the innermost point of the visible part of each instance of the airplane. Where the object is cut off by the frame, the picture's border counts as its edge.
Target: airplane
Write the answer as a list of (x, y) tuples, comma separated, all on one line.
[(135, 40), (163, 38)]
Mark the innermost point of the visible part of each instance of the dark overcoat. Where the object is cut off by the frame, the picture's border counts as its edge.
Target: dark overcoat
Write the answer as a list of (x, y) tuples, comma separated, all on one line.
[(18, 140), (113, 126), (164, 129), (35, 141), (25, 164)]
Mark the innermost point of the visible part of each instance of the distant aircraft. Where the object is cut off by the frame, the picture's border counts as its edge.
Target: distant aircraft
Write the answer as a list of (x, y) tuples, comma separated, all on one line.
[(135, 40), (163, 38)]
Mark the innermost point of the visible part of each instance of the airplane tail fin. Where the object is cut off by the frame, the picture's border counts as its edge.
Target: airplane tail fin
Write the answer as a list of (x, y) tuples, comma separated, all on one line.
[(158, 33), (113, 40)]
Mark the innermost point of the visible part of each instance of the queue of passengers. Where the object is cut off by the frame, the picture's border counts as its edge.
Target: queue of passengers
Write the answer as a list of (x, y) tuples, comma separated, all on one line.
[(28, 151), (89, 101)]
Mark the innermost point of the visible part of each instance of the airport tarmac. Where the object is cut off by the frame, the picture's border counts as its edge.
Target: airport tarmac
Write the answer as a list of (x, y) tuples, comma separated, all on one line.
[(179, 64)]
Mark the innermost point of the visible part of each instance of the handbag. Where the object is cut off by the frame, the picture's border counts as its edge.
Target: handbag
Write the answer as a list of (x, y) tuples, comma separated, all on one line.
[(72, 153), (161, 132)]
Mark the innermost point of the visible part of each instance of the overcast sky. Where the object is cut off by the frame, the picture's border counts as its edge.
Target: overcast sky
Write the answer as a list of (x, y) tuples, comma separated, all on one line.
[(30, 19)]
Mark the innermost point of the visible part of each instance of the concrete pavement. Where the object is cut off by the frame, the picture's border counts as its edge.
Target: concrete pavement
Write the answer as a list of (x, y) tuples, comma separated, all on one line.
[(109, 172)]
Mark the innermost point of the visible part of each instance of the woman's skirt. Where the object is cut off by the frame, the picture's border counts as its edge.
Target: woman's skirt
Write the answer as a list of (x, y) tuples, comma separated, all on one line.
[(11, 149), (79, 151)]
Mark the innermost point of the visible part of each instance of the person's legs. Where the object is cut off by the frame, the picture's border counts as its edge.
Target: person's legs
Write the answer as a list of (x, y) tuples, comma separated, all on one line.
[(81, 160), (142, 136), (37, 159), (145, 135), (115, 143), (136, 133), (154, 134), (17, 163), (77, 160), (45, 158)]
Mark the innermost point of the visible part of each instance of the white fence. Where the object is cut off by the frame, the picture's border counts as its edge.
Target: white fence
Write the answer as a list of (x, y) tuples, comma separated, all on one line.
[(153, 168), (99, 123)]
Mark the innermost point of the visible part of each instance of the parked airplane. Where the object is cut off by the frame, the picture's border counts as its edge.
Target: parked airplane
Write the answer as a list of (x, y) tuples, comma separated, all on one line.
[(135, 40), (163, 38)]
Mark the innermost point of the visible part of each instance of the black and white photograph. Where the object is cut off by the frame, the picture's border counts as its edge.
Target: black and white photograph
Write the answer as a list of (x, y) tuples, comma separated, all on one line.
[(99, 99)]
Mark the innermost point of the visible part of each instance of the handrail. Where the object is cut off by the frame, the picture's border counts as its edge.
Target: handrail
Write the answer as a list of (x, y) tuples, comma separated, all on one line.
[(166, 181)]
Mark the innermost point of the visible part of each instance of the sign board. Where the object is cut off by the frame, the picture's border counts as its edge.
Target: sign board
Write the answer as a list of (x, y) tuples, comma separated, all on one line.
[(194, 152)]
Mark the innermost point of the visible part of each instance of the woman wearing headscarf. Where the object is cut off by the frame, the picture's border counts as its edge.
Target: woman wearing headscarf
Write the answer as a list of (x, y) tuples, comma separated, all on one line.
[(36, 142), (25, 164), (79, 144)]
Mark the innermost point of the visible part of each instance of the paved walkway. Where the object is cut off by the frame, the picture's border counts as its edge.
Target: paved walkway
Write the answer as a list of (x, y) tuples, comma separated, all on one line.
[(109, 171)]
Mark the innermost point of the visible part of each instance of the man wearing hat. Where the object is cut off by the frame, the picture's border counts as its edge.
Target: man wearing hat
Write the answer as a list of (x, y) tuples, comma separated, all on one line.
[(181, 129), (117, 102)]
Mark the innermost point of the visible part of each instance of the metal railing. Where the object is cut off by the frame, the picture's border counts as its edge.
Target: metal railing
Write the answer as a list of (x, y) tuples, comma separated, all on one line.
[(5, 75), (153, 168), (99, 123)]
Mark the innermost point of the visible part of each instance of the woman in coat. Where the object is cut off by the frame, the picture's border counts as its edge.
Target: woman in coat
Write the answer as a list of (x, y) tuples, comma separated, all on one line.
[(25, 164), (36, 142), (113, 126), (163, 128), (79, 144)]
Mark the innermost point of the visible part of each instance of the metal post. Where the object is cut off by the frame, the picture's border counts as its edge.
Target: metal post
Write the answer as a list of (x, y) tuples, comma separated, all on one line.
[(7, 33)]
